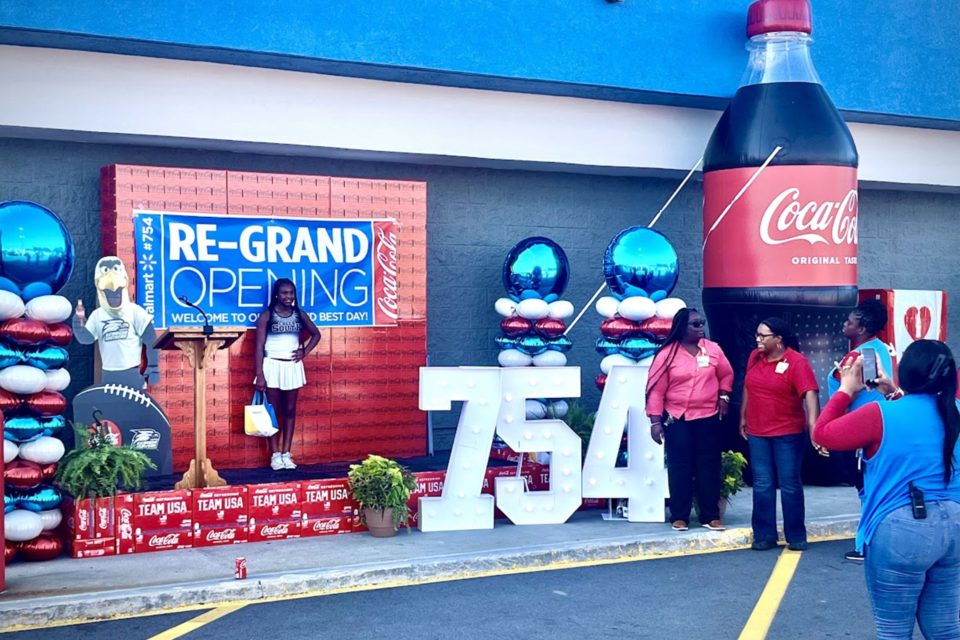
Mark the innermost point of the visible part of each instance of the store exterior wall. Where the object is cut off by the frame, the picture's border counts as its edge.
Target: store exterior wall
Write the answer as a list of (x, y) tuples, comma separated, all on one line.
[(907, 239)]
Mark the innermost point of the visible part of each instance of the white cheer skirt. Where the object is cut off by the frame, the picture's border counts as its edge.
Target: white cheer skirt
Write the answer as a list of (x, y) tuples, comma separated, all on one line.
[(285, 375)]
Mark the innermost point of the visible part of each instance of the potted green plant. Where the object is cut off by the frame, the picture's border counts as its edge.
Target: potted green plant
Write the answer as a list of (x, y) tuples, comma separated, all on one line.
[(95, 468), (731, 473), (382, 487), (581, 421)]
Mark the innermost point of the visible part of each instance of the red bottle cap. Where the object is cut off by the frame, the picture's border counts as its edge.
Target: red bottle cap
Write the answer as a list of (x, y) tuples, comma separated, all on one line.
[(768, 16)]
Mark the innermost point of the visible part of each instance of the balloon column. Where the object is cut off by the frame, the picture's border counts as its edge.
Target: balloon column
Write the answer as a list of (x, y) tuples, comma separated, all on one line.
[(36, 259), (641, 268), (535, 275)]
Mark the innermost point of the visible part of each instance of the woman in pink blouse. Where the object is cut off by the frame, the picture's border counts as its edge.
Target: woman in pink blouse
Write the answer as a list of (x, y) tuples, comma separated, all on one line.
[(688, 393)]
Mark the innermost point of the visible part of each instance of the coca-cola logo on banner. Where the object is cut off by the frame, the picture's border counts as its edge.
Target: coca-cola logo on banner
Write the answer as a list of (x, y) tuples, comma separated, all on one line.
[(824, 222), (386, 251)]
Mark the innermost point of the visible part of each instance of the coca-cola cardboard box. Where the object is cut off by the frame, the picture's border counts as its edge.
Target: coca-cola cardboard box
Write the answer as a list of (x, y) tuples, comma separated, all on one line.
[(124, 507), (358, 526), (90, 518), (91, 548), (326, 525), (273, 530), (220, 506), (429, 484), (149, 541), (163, 510), (326, 498), (279, 501), (215, 535)]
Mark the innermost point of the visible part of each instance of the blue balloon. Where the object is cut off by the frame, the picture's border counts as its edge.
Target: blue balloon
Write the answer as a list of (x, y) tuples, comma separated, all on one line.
[(538, 265), (52, 424), (9, 356), (560, 343), (638, 348), (531, 345), (6, 284), (607, 347), (505, 342), (35, 290), (22, 429), (640, 261), (40, 498), (47, 357), (35, 246), (530, 294), (9, 501)]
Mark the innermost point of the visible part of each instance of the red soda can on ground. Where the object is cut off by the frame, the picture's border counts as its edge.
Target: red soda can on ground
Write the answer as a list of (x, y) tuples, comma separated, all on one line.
[(240, 569)]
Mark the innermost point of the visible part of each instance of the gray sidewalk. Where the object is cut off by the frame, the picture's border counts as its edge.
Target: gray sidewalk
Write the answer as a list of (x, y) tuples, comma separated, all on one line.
[(99, 588)]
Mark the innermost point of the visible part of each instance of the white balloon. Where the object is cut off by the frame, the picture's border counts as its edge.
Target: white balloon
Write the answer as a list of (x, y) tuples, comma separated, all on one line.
[(532, 309), (614, 360), (49, 309), (21, 525), (51, 519), (560, 310), (668, 307), (558, 409), (513, 358), (57, 380), (646, 362), (43, 450), (11, 306), (550, 359), (10, 451), (23, 380), (505, 307), (637, 308), (536, 410), (607, 306)]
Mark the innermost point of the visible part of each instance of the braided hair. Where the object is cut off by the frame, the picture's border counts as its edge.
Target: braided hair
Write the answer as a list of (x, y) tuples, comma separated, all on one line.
[(674, 338), (872, 316)]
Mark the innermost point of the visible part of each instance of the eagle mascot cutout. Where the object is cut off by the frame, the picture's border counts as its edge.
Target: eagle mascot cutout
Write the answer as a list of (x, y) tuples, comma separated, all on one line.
[(121, 329)]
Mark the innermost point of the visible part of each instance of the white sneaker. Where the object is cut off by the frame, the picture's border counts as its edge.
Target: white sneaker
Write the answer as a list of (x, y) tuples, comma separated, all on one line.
[(276, 462), (287, 461)]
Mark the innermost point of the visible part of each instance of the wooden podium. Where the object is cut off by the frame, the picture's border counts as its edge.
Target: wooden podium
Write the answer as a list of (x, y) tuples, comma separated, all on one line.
[(199, 350)]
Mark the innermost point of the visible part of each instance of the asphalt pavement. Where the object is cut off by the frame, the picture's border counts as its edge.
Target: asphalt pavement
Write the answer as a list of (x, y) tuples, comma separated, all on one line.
[(699, 596)]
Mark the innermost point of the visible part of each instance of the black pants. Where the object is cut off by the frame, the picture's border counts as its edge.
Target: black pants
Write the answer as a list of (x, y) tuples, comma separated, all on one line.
[(693, 460)]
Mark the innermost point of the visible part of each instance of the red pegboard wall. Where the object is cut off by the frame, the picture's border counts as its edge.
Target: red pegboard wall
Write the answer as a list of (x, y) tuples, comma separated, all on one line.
[(362, 383)]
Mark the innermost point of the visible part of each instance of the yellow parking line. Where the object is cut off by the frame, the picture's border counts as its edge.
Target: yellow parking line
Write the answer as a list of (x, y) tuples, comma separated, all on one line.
[(196, 623), (762, 617)]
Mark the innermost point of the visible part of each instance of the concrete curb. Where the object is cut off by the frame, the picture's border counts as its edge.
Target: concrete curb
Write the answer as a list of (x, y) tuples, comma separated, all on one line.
[(60, 610)]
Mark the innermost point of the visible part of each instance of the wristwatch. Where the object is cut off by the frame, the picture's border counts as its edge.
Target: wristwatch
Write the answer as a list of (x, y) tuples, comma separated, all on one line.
[(725, 397)]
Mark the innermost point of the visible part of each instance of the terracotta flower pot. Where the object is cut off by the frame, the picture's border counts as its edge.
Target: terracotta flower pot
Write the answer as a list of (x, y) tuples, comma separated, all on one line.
[(380, 523)]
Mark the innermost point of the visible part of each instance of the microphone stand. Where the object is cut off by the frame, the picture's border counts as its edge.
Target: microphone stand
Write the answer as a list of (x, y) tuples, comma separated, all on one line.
[(207, 327)]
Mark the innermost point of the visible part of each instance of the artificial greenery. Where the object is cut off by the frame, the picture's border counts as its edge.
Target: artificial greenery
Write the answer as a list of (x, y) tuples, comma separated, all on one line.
[(380, 483), (95, 468), (732, 473), (581, 422)]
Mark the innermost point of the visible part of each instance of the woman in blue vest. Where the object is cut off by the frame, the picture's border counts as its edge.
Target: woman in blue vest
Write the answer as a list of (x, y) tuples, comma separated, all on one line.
[(910, 446)]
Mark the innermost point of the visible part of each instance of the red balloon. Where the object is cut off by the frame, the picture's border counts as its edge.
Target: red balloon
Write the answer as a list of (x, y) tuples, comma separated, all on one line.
[(617, 327), (9, 551), (48, 471), (601, 381), (515, 326), (657, 326), (46, 403), (60, 333), (45, 546), (550, 327), (23, 474), (9, 401), (25, 331)]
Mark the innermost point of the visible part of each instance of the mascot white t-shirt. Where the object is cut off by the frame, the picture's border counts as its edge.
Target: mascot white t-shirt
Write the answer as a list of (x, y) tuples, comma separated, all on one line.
[(119, 336)]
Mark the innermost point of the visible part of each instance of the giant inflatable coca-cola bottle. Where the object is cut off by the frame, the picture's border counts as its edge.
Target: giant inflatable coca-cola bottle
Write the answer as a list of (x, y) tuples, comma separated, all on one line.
[(788, 246)]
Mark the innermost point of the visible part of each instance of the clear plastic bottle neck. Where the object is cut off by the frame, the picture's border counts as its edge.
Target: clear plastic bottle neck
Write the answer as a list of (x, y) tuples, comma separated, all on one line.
[(783, 56)]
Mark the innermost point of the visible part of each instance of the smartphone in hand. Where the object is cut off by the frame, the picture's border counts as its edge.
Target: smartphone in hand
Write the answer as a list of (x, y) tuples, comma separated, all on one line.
[(870, 372)]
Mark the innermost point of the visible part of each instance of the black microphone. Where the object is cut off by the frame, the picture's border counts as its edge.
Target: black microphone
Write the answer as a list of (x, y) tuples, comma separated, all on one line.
[(207, 328)]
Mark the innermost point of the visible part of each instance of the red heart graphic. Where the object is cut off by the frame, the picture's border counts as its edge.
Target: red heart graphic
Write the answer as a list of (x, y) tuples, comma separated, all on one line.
[(918, 321)]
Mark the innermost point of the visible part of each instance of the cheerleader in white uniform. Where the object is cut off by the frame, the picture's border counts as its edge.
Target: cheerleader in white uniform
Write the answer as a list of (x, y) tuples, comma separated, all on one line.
[(279, 361)]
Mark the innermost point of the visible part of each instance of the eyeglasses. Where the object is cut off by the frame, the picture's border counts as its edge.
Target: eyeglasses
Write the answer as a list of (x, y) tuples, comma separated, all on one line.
[(763, 336), (696, 324)]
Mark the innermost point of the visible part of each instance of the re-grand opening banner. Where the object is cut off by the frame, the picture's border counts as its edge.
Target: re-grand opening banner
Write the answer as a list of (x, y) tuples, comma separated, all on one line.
[(345, 270)]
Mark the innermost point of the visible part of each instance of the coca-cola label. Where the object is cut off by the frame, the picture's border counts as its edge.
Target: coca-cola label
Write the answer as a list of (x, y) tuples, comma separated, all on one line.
[(223, 505), (164, 540), (326, 498), (259, 531), (124, 506), (386, 308), (795, 226), (219, 535), (274, 501), (92, 548), (327, 526), (164, 510), (104, 518)]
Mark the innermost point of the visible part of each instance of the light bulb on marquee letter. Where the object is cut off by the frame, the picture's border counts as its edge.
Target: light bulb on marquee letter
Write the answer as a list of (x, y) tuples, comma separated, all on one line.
[(462, 506), (644, 480), (540, 507)]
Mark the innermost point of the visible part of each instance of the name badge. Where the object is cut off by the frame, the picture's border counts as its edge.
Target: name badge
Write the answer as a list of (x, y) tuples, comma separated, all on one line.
[(781, 367), (703, 361)]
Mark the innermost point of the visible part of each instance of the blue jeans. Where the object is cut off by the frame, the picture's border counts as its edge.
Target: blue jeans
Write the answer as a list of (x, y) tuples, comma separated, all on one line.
[(913, 573), (780, 455)]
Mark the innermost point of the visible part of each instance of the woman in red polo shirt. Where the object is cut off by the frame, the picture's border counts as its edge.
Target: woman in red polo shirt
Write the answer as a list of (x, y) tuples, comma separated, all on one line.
[(688, 392), (779, 384)]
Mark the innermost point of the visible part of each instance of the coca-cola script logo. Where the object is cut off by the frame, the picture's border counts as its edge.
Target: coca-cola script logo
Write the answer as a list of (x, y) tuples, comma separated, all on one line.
[(83, 523), (326, 525), (816, 223), (275, 530), (221, 536), (387, 259), (162, 541)]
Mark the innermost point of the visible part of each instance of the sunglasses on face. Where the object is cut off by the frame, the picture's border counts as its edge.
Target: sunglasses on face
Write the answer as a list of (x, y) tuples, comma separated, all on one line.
[(697, 324)]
